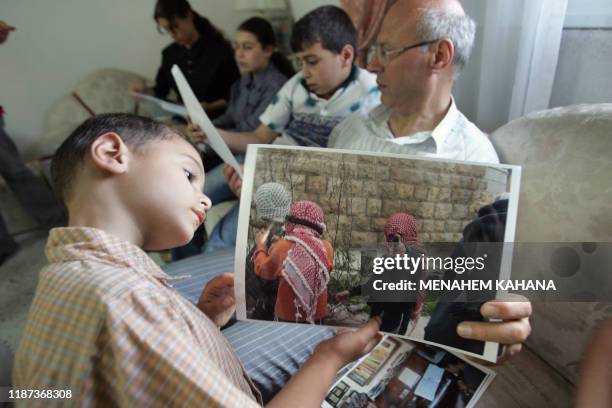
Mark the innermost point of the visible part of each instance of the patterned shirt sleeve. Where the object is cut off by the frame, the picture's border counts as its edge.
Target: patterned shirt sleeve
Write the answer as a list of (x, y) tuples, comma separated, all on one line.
[(371, 100), (278, 113), (153, 359)]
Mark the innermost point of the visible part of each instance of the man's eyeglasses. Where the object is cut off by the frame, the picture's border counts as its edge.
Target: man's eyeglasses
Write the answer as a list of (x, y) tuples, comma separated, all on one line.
[(385, 55)]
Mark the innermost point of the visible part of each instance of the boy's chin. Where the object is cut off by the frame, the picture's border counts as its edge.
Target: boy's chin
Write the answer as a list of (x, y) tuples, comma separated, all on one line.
[(165, 243)]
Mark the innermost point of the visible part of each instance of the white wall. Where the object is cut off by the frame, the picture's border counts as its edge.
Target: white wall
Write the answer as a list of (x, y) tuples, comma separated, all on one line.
[(301, 7), (583, 71), (57, 42), (589, 13), (466, 86), (585, 57)]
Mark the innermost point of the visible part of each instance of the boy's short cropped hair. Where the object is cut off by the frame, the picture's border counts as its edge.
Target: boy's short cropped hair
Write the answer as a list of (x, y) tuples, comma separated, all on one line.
[(329, 25), (134, 130)]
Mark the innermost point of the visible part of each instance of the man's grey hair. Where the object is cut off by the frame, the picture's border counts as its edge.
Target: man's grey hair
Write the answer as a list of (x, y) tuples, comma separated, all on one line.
[(459, 28)]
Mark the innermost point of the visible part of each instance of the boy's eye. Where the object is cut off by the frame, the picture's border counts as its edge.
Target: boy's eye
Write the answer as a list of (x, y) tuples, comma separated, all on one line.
[(188, 174)]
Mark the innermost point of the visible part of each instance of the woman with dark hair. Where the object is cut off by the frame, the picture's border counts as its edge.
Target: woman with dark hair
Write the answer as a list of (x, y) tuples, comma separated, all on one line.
[(264, 72), (200, 50)]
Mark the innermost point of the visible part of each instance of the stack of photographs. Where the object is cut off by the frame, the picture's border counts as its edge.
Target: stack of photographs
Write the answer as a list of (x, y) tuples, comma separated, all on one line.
[(409, 374)]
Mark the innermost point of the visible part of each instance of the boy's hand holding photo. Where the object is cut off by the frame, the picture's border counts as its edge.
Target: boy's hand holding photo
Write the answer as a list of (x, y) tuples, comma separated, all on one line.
[(217, 300), (309, 386)]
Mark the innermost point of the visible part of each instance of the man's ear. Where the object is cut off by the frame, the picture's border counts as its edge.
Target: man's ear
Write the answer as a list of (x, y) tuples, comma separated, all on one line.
[(347, 53), (109, 153), (443, 53)]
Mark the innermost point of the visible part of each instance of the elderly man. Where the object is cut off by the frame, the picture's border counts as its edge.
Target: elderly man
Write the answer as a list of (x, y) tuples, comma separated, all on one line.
[(422, 46), (420, 50)]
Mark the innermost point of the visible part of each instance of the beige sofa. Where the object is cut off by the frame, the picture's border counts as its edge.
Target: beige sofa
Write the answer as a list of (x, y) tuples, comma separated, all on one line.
[(566, 196), (101, 91)]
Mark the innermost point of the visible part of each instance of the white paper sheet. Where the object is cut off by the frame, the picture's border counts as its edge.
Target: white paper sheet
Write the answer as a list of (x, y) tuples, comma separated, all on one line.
[(165, 105), (199, 117)]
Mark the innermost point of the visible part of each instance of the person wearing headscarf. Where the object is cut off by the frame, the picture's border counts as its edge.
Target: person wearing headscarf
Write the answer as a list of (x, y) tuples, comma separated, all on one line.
[(301, 262), (454, 307), (272, 203), (401, 235)]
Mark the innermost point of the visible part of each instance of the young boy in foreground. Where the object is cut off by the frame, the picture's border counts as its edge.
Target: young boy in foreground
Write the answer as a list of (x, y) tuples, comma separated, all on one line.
[(105, 323)]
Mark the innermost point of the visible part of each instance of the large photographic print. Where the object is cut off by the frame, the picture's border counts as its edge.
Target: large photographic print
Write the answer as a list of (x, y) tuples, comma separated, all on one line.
[(335, 237)]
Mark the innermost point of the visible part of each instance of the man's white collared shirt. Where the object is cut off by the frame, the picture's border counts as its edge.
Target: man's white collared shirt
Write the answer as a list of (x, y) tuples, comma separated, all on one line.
[(455, 137)]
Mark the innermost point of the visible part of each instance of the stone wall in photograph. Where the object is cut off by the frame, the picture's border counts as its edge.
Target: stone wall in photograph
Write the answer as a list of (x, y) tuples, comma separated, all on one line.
[(359, 193)]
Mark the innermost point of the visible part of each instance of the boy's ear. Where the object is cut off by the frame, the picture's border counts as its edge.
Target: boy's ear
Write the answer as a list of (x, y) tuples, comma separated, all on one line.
[(443, 53), (109, 153), (348, 55)]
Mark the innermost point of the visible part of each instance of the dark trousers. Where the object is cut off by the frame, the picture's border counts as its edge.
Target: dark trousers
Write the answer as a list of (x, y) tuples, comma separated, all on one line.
[(31, 192), (393, 313)]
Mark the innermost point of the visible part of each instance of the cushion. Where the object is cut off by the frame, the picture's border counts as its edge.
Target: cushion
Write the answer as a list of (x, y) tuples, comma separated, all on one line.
[(565, 197), (103, 91)]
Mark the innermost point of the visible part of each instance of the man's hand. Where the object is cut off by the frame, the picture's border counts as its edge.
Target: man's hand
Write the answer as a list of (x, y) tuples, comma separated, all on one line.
[(349, 345), (5, 30), (232, 179), (217, 300), (511, 331)]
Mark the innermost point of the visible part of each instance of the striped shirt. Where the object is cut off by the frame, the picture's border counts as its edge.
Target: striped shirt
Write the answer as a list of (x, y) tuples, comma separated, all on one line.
[(106, 325), (455, 137)]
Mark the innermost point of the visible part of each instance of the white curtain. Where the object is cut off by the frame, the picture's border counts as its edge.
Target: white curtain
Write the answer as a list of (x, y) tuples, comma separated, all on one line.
[(515, 60)]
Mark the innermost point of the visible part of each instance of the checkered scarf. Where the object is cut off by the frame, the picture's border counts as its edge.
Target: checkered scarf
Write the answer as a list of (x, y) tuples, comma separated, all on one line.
[(306, 268), (405, 225)]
